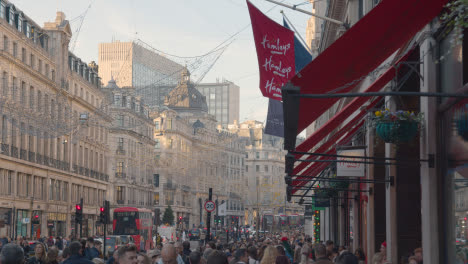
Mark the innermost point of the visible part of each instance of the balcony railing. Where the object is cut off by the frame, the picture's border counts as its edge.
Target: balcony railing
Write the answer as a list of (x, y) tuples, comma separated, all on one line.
[(120, 175), (120, 151), (31, 156), (86, 173), (14, 151), (5, 149), (39, 159), (23, 154), (169, 186), (46, 160)]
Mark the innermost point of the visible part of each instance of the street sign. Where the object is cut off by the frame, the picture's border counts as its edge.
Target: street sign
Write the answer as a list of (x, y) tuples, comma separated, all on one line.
[(26, 220), (350, 169), (210, 206)]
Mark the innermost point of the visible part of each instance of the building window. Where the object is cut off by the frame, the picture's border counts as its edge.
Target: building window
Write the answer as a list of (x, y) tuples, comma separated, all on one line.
[(32, 60), (257, 168), (156, 125), (247, 168), (266, 168), (169, 124), (53, 75), (156, 198), (46, 73), (40, 66), (169, 143), (157, 145), (257, 155), (120, 120), (119, 168), (120, 145), (5, 43), (156, 180), (23, 55), (119, 193), (15, 49)]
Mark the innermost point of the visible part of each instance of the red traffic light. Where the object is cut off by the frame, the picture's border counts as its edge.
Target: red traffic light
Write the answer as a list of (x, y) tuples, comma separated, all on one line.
[(102, 209), (36, 216), (237, 217), (78, 207)]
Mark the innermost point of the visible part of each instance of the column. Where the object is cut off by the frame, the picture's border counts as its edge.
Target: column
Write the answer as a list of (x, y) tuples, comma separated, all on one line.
[(356, 223), (429, 229), (391, 209), (370, 238)]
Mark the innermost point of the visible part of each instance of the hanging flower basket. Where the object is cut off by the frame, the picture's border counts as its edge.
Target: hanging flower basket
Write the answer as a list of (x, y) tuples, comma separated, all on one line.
[(396, 127), (462, 125)]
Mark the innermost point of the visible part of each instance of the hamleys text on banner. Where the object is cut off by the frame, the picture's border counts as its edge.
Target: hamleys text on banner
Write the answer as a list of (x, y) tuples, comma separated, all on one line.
[(275, 53)]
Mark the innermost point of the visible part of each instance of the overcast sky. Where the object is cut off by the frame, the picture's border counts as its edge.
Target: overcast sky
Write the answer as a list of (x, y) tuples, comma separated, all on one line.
[(182, 27)]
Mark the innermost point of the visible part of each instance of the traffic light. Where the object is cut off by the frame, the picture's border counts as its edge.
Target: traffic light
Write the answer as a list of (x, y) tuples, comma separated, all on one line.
[(102, 215), (35, 219), (79, 212)]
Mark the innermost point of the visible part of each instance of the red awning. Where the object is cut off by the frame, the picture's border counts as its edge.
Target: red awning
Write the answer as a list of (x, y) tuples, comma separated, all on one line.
[(359, 51), (346, 112), (317, 167)]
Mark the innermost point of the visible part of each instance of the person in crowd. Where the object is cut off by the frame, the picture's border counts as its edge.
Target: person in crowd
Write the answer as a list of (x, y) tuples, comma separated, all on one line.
[(76, 254), (154, 255), (186, 252), (168, 255), (113, 258), (143, 259), (40, 254), (297, 252), (229, 256), (412, 260), (52, 256), (59, 243), (360, 255), (97, 261), (418, 255), (206, 253), (330, 245), (180, 252), (65, 254), (90, 251), (282, 259), (261, 251), (269, 255), (252, 252), (194, 257), (321, 255), (305, 252), (26, 247), (217, 257), (127, 255), (50, 241), (241, 256), (347, 258), (11, 254)]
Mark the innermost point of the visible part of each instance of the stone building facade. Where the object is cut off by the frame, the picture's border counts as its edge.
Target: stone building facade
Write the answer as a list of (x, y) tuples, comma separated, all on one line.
[(193, 154), (132, 160), (49, 158), (264, 170)]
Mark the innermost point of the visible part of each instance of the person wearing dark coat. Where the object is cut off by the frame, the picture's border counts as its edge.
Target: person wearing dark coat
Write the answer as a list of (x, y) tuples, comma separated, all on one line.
[(90, 251), (76, 255)]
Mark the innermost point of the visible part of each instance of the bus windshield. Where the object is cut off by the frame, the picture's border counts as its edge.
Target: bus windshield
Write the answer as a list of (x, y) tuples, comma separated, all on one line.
[(125, 223)]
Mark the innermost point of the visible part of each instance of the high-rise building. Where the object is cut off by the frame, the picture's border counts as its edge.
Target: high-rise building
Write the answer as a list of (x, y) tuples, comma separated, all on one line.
[(222, 99), (153, 76), (132, 65)]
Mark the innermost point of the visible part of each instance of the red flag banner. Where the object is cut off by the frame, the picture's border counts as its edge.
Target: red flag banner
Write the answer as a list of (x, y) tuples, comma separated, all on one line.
[(275, 52)]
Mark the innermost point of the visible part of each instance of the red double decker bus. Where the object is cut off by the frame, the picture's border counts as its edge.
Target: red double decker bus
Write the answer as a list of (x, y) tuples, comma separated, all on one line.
[(135, 222)]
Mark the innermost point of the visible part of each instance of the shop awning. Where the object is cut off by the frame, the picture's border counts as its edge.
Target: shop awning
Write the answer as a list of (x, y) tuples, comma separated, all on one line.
[(355, 54), (317, 167), (346, 112)]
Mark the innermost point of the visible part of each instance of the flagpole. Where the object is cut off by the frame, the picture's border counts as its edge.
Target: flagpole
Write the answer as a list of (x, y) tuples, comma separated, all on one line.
[(295, 30), (308, 13)]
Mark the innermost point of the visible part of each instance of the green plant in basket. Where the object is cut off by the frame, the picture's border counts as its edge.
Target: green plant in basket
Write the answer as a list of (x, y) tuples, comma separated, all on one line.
[(396, 126)]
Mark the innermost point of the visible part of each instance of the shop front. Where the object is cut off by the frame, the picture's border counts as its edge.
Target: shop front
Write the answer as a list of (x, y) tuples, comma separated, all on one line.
[(5, 221), (22, 222), (57, 224)]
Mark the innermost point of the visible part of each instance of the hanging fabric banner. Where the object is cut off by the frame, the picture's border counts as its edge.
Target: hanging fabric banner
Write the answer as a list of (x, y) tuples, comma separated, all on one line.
[(275, 122), (275, 53)]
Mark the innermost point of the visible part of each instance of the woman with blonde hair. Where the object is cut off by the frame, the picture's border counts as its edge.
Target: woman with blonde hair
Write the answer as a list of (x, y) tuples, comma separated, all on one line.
[(269, 255), (40, 254)]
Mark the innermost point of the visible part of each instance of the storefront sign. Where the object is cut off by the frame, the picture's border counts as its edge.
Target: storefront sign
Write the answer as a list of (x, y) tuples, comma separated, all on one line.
[(25, 220), (308, 212), (275, 53), (57, 217), (350, 169), (321, 202)]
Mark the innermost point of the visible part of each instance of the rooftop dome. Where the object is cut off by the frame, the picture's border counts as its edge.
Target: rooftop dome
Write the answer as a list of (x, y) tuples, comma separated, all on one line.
[(185, 96), (111, 84)]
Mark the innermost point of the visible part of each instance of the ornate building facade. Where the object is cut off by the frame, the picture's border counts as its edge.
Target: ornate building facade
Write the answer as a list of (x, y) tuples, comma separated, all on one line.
[(52, 150), (132, 161), (193, 154), (264, 171)]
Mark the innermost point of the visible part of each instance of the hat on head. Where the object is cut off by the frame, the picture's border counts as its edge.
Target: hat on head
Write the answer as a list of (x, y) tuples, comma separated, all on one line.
[(384, 244)]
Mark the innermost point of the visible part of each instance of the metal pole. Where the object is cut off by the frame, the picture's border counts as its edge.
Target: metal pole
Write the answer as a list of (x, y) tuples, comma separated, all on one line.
[(208, 218), (307, 12), (82, 216), (295, 30)]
